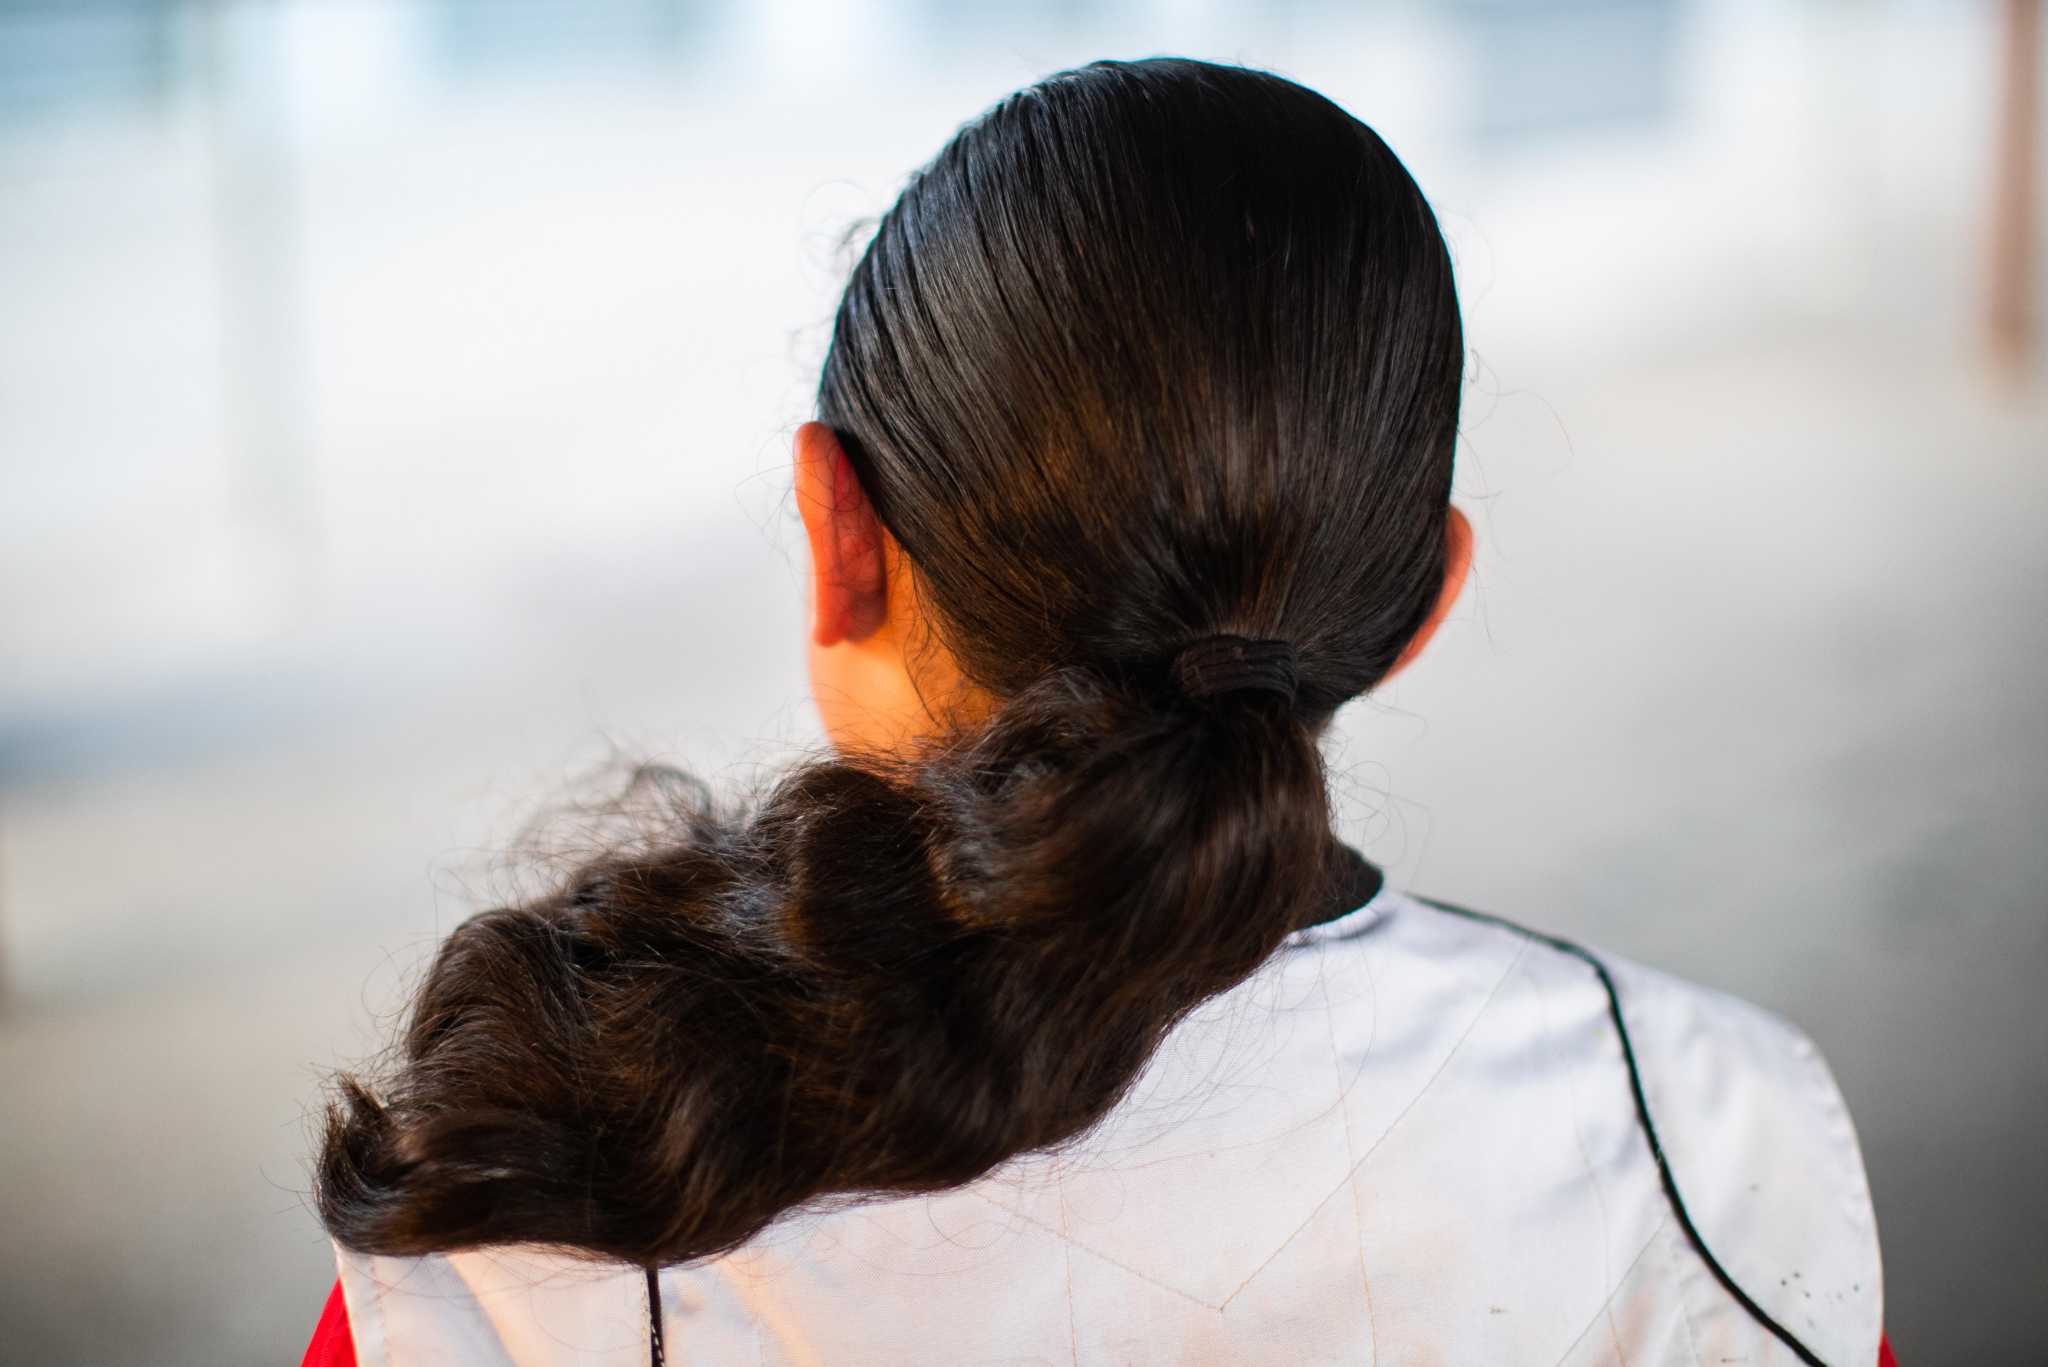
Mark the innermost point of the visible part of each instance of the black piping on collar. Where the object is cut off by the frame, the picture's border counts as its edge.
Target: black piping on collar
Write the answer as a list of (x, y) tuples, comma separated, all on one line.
[(1642, 1104), (1354, 880), (657, 1352)]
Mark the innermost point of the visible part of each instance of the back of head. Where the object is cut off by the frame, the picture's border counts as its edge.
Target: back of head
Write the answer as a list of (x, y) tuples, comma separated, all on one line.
[(1151, 353), (1152, 350)]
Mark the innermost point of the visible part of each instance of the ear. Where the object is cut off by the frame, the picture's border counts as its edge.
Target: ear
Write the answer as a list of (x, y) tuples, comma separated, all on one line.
[(1457, 564), (849, 587)]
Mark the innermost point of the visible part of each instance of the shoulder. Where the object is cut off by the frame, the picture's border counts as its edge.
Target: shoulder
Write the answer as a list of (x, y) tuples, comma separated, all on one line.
[(1762, 1156), (1759, 1140)]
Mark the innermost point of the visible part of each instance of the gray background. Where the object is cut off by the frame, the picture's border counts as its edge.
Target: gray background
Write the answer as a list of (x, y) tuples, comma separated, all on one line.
[(394, 408)]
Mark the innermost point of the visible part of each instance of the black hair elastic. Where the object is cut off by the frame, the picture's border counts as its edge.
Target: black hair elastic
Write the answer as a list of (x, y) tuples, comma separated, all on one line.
[(1215, 665)]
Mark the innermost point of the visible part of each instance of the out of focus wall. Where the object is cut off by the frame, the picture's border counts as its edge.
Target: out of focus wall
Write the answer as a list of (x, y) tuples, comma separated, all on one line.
[(394, 408)]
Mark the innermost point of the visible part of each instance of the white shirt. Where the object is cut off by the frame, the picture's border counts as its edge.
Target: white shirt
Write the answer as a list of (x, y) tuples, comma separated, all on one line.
[(1409, 1138)]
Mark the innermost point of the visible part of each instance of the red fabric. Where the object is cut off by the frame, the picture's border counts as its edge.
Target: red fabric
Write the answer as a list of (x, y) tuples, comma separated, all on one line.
[(332, 1345)]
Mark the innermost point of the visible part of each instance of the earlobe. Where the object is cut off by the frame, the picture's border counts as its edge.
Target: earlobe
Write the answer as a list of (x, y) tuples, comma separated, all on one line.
[(1457, 560), (1457, 565), (849, 584)]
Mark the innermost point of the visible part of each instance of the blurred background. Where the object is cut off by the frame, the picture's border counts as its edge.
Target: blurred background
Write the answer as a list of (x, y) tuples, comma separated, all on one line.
[(395, 402)]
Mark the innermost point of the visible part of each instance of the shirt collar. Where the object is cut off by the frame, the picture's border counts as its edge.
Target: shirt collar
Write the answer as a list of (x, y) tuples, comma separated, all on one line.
[(1353, 881)]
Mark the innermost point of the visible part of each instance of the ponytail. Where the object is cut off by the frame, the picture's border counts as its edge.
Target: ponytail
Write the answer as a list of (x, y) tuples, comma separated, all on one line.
[(890, 978)]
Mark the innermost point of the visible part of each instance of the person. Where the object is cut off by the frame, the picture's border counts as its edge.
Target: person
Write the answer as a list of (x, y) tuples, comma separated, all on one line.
[(1045, 1018)]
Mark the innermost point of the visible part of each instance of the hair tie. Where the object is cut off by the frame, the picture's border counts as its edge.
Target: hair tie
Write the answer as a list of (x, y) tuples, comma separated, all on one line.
[(1215, 665)]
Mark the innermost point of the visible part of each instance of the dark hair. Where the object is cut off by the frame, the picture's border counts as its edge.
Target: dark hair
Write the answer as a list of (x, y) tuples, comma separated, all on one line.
[(1150, 351)]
